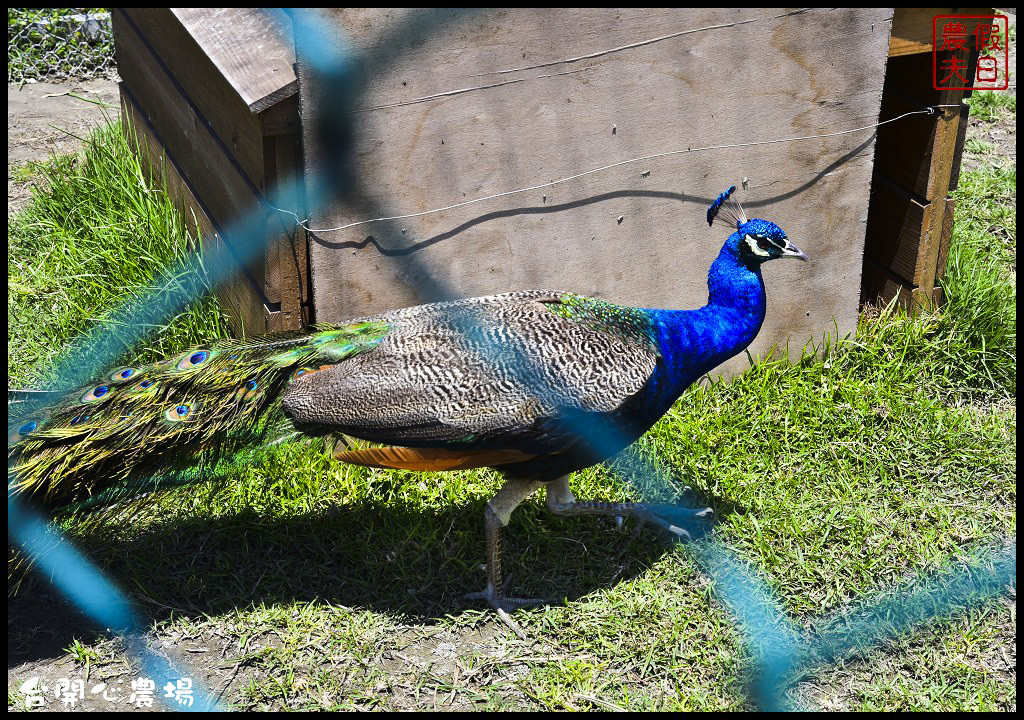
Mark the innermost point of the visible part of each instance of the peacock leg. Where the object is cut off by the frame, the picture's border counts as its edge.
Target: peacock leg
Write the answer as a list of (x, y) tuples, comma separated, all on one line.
[(496, 517), (680, 521)]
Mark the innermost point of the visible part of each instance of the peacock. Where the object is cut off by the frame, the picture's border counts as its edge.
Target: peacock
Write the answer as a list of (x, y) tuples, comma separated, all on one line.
[(534, 384)]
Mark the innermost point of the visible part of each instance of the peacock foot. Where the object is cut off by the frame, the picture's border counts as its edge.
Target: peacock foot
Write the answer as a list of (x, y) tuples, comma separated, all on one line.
[(498, 600), (684, 523)]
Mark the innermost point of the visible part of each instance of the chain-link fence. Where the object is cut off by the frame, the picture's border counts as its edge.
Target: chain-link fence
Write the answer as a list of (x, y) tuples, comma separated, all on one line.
[(58, 43)]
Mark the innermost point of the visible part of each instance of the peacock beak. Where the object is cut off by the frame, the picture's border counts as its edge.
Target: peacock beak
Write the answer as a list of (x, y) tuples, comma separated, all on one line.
[(793, 251)]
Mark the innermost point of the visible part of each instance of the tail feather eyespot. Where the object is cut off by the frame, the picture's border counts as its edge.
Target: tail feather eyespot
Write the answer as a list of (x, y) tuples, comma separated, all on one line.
[(306, 370), (193, 359), (142, 386), (123, 375), (23, 430), (95, 394), (248, 391), (180, 413)]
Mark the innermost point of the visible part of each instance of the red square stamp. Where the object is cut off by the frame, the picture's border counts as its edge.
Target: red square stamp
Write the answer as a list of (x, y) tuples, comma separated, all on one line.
[(955, 37)]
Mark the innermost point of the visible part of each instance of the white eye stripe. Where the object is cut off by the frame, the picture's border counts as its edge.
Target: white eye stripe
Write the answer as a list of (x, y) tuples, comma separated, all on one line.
[(754, 248)]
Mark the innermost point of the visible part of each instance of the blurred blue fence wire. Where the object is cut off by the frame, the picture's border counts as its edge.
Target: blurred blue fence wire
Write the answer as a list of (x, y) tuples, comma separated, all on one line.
[(776, 647)]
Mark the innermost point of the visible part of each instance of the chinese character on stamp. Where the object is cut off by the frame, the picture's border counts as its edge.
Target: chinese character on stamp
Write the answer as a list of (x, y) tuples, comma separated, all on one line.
[(956, 37)]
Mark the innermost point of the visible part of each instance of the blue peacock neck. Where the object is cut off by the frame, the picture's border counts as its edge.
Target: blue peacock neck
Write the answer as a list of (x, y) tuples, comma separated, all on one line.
[(693, 342), (736, 287)]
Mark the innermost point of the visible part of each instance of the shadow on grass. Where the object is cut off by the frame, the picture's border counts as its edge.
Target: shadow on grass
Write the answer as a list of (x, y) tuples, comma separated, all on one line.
[(367, 556)]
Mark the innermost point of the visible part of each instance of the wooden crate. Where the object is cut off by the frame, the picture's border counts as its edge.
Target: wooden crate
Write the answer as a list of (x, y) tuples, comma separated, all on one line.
[(212, 97), (511, 98), (916, 169)]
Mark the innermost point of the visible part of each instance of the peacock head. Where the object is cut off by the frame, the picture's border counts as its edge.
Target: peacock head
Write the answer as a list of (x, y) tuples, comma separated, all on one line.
[(757, 240)]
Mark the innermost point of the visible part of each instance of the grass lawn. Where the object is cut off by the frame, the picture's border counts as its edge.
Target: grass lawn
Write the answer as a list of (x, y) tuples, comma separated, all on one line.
[(855, 473)]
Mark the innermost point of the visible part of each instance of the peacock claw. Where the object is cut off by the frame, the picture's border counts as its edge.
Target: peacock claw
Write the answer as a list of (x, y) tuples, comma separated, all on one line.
[(499, 601), (651, 515)]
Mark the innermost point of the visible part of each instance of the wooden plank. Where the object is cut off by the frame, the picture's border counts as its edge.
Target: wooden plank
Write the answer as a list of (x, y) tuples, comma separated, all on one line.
[(910, 152), (904, 149), (911, 31), (944, 156), (925, 298), (287, 243), (916, 152), (558, 92), (909, 76), (912, 28), (217, 181), (246, 311), (879, 286), (918, 165), (282, 118), (961, 138), (215, 102), (945, 239), (252, 48), (894, 230)]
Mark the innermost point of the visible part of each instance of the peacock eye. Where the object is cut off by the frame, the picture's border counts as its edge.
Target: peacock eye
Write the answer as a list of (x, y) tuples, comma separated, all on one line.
[(763, 242), (95, 394), (179, 413), (191, 360)]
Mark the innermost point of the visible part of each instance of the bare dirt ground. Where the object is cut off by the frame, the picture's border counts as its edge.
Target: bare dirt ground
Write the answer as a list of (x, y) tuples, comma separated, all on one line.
[(48, 118)]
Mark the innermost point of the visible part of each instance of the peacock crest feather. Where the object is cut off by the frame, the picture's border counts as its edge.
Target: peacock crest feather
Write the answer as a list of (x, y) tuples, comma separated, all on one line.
[(728, 209)]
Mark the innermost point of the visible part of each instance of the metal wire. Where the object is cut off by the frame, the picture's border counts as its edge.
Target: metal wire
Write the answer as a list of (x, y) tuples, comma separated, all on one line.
[(931, 110)]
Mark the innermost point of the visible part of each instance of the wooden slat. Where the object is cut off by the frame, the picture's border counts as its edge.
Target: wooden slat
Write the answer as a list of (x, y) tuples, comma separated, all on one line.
[(219, 183), (958, 152), (904, 150), (944, 157), (215, 102), (879, 286), (911, 31), (287, 245), (945, 239), (912, 28), (252, 48), (282, 118), (925, 298), (246, 311), (894, 230), (917, 166), (910, 77)]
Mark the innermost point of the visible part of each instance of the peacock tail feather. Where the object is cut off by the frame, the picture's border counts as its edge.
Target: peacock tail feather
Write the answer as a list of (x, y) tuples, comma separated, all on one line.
[(169, 423)]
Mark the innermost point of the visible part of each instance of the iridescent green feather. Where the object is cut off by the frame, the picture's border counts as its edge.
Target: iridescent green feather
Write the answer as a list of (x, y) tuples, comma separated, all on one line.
[(628, 323), (171, 422)]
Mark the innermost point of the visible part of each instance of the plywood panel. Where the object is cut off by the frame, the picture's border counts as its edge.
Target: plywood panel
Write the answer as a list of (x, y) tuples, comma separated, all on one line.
[(558, 92)]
